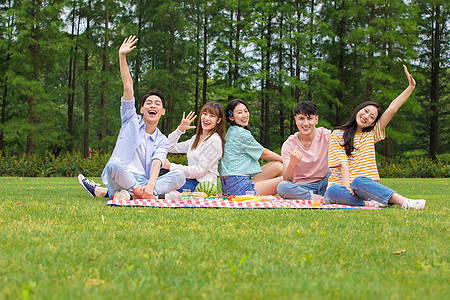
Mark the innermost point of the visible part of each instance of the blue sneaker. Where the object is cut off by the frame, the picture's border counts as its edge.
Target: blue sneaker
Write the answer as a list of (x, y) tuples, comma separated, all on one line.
[(88, 185)]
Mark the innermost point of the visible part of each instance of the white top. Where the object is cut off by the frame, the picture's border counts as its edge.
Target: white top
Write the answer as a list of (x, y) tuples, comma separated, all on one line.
[(203, 162), (137, 163)]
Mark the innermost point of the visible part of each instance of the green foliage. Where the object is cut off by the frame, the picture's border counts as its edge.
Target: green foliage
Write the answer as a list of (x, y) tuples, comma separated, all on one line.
[(272, 54), (416, 167), (49, 165), (67, 165)]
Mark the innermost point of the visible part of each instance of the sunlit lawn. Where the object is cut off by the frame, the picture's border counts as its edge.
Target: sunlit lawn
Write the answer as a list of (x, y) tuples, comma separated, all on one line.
[(57, 243)]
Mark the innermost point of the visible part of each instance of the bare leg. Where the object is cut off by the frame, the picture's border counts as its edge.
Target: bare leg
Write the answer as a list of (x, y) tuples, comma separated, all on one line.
[(269, 171), (268, 187), (397, 199), (100, 191), (316, 197)]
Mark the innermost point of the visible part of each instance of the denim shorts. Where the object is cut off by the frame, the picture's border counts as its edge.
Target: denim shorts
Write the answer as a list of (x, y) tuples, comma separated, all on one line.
[(236, 185)]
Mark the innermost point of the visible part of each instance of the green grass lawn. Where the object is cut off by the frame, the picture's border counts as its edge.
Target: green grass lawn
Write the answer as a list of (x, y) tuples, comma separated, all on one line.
[(57, 243)]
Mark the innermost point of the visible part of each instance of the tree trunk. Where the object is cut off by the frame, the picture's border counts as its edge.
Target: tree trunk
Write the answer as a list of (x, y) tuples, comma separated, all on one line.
[(369, 85), (72, 96), (268, 84), (5, 94), (105, 70), (337, 120), (205, 56), (297, 52), (311, 51), (137, 67), (69, 96), (237, 45), (31, 99), (230, 47), (263, 98), (86, 92), (280, 78), (197, 61), (434, 90), (171, 74), (5, 88), (292, 74)]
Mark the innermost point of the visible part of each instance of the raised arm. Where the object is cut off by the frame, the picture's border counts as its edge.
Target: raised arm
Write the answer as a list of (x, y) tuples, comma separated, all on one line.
[(126, 47), (387, 116), (295, 158), (270, 156)]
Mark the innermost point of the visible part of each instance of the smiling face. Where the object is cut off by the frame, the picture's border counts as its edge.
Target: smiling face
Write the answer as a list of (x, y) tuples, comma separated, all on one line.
[(241, 115), (209, 121), (366, 116), (306, 124), (152, 110)]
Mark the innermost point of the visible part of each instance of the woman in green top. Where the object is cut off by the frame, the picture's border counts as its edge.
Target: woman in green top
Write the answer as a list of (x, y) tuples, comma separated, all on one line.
[(239, 168)]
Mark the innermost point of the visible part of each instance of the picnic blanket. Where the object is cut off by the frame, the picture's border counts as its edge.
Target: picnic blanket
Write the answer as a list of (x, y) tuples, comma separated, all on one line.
[(278, 202)]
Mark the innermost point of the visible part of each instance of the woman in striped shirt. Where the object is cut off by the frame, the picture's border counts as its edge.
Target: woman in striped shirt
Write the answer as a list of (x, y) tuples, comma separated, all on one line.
[(351, 157)]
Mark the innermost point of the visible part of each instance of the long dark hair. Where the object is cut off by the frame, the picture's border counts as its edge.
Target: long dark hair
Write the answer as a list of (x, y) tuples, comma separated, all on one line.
[(350, 127), (215, 108), (230, 108)]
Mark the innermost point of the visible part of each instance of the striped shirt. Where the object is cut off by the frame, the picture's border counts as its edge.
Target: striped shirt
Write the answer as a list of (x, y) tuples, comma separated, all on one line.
[(362, 162), (241, 154)]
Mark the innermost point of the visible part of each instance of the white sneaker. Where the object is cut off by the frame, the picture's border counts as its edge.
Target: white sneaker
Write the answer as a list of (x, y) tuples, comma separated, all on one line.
[(416, 204), (173, 195), (122, 195), (374, 203)]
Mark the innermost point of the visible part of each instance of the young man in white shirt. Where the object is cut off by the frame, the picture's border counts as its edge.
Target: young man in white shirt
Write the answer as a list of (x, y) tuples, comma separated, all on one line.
[(140, 149)]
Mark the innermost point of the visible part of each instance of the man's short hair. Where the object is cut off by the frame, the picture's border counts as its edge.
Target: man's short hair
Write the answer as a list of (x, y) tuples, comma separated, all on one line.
[(155, 92), (307, 108)]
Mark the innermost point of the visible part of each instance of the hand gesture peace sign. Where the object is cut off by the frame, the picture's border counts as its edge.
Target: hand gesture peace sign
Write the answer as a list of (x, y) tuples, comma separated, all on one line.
[(186, 121)]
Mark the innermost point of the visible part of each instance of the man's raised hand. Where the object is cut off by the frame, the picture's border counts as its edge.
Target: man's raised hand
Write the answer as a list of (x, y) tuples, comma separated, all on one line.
[(412, 82), (128, 45), (296, 156)]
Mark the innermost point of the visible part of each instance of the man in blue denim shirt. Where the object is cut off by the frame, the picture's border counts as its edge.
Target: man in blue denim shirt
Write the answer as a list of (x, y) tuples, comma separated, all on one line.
[(140, 148)]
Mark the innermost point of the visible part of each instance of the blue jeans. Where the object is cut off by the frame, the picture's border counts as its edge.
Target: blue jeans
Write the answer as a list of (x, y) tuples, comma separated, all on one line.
[(190, 185), (119, 178), (365, 190), (289, 190), (236, 185)]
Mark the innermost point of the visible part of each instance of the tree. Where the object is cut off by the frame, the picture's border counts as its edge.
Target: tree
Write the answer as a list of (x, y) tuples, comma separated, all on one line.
[(434, 54)]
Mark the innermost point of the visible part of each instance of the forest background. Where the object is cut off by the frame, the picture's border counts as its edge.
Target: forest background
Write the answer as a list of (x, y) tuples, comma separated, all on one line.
[(61, 87)]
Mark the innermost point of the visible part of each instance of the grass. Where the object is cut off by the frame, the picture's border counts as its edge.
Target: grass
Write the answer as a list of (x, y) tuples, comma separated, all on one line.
[(57, 243)]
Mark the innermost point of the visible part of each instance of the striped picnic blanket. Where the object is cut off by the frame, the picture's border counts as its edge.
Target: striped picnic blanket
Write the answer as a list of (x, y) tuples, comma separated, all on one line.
[(221, 203)]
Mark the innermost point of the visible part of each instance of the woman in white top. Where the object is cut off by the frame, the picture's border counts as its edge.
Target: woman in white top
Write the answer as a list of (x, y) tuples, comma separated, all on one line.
[(203, 150)]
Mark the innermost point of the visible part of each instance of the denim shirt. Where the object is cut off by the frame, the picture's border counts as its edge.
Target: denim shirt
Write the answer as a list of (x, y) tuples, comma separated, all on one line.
[(130, 137)]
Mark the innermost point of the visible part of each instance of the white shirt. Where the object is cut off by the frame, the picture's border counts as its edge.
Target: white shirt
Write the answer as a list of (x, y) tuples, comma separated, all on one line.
[(203, 162), (137, 163)]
